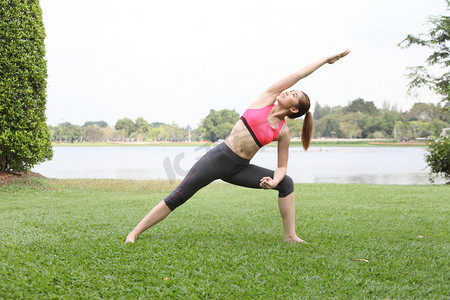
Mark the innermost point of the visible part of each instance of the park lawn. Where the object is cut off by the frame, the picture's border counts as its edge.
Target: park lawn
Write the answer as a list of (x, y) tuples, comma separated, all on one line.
[(65, 239)]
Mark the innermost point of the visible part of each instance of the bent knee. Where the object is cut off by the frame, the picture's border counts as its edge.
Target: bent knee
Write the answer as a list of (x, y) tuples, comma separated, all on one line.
[(285, 187)]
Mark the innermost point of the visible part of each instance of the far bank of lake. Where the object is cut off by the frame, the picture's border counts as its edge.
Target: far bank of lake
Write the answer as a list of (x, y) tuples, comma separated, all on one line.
[(377, 164), (294, 143)]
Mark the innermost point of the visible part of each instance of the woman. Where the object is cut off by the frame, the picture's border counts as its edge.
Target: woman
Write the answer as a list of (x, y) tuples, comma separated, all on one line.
[(261, 124)]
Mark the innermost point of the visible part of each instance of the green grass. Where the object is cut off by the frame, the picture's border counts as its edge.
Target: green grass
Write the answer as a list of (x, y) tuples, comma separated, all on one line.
[(64, 239)]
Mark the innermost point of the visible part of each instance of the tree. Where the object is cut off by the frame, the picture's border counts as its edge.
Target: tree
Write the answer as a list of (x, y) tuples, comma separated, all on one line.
[(321, 111), (176, 133), (24, 135), (295, 127), (403, 131), (67, 132), (93, 133), (437, 40), (388, 120), (157, 124), (101, 124), (142, 129), (218, 124), (349, 126), (332, 128), (438, 156), (198, 134), (110, 134), (359, 105), (127, 125), (422, 111)]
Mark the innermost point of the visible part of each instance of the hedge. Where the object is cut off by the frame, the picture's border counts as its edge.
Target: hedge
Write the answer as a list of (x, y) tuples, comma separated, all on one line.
[(24, 136)]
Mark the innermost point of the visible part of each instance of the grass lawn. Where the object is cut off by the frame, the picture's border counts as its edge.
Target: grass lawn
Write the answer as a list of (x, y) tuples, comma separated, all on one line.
[(65, 239)]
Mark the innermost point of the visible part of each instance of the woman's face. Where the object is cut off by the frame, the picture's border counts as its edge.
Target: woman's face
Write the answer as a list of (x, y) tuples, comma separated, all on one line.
[(289, 99)]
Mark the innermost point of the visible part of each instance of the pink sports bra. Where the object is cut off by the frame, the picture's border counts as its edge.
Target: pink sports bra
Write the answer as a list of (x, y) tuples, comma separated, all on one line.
[(256, 122)]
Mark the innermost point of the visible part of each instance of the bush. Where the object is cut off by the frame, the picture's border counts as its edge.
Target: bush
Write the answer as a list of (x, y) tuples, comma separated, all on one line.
[(24, 135), (438, 156)]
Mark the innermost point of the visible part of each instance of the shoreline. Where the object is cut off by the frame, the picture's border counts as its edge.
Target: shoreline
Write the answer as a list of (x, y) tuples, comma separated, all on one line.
[(294, 143), (34, 179)]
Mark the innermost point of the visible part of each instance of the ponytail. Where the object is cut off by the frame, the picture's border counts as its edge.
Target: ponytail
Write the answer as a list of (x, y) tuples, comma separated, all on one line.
[(307, 130), (303, 109)]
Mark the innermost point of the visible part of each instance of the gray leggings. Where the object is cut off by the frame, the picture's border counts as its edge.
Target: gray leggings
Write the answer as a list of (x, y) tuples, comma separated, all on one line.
[(222, 163)]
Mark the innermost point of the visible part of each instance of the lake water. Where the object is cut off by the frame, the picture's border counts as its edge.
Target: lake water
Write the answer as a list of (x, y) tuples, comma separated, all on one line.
[(378, 165)]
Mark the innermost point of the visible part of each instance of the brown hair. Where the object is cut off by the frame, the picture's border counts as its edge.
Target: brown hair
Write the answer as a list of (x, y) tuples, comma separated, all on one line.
[(303, 109)]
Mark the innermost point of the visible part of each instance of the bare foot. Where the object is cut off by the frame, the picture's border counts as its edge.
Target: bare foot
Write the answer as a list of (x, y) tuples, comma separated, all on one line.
[(294, 239), (131, 238)]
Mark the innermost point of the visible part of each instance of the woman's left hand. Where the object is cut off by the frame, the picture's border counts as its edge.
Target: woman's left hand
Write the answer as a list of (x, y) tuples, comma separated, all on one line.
[(267, 183), (334, 58)]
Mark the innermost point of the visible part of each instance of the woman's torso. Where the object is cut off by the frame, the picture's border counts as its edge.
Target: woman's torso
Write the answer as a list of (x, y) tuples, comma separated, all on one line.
[(241, 141)]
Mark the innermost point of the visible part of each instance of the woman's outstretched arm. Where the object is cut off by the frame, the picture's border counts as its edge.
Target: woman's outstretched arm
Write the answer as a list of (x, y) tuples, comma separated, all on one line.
[(292, 79), (268, 97)]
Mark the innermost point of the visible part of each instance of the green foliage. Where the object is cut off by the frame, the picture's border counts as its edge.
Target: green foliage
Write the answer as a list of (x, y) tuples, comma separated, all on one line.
[(340, 122), (101, 124), (24, 135), (421, 111), (295, 127), (438, 156), (218, 124), (126, 124), (332, 128), (361, 119), (125, 130), (141, 129), (66, 132), (320, 112), (359, 105), (437, 40), (157, 124), (93, 133), (173, 132)]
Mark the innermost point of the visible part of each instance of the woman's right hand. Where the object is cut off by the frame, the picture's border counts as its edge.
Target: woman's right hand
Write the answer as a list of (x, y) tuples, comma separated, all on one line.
[(334, 58)]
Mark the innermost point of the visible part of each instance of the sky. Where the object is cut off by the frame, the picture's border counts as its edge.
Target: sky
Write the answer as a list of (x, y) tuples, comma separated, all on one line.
[(174, 60)]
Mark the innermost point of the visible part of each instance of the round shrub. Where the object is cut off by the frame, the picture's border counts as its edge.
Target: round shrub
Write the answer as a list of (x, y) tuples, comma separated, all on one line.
[(438, 156)]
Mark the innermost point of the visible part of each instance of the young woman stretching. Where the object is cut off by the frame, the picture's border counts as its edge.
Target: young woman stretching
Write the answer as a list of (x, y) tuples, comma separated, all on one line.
[(262, 123)]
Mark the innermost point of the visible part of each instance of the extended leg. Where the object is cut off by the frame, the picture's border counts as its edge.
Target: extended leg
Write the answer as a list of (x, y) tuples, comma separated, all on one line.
[(157, 214), (287, 210), (201, 174), (250, 177)]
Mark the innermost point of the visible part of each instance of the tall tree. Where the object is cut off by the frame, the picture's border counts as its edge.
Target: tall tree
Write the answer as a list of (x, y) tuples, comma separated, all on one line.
[(321, 111), (126, 124), (421, 111), (437, 40), (218, 124), (359, 105), (142, 129), (332, 128), (24, 135)]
